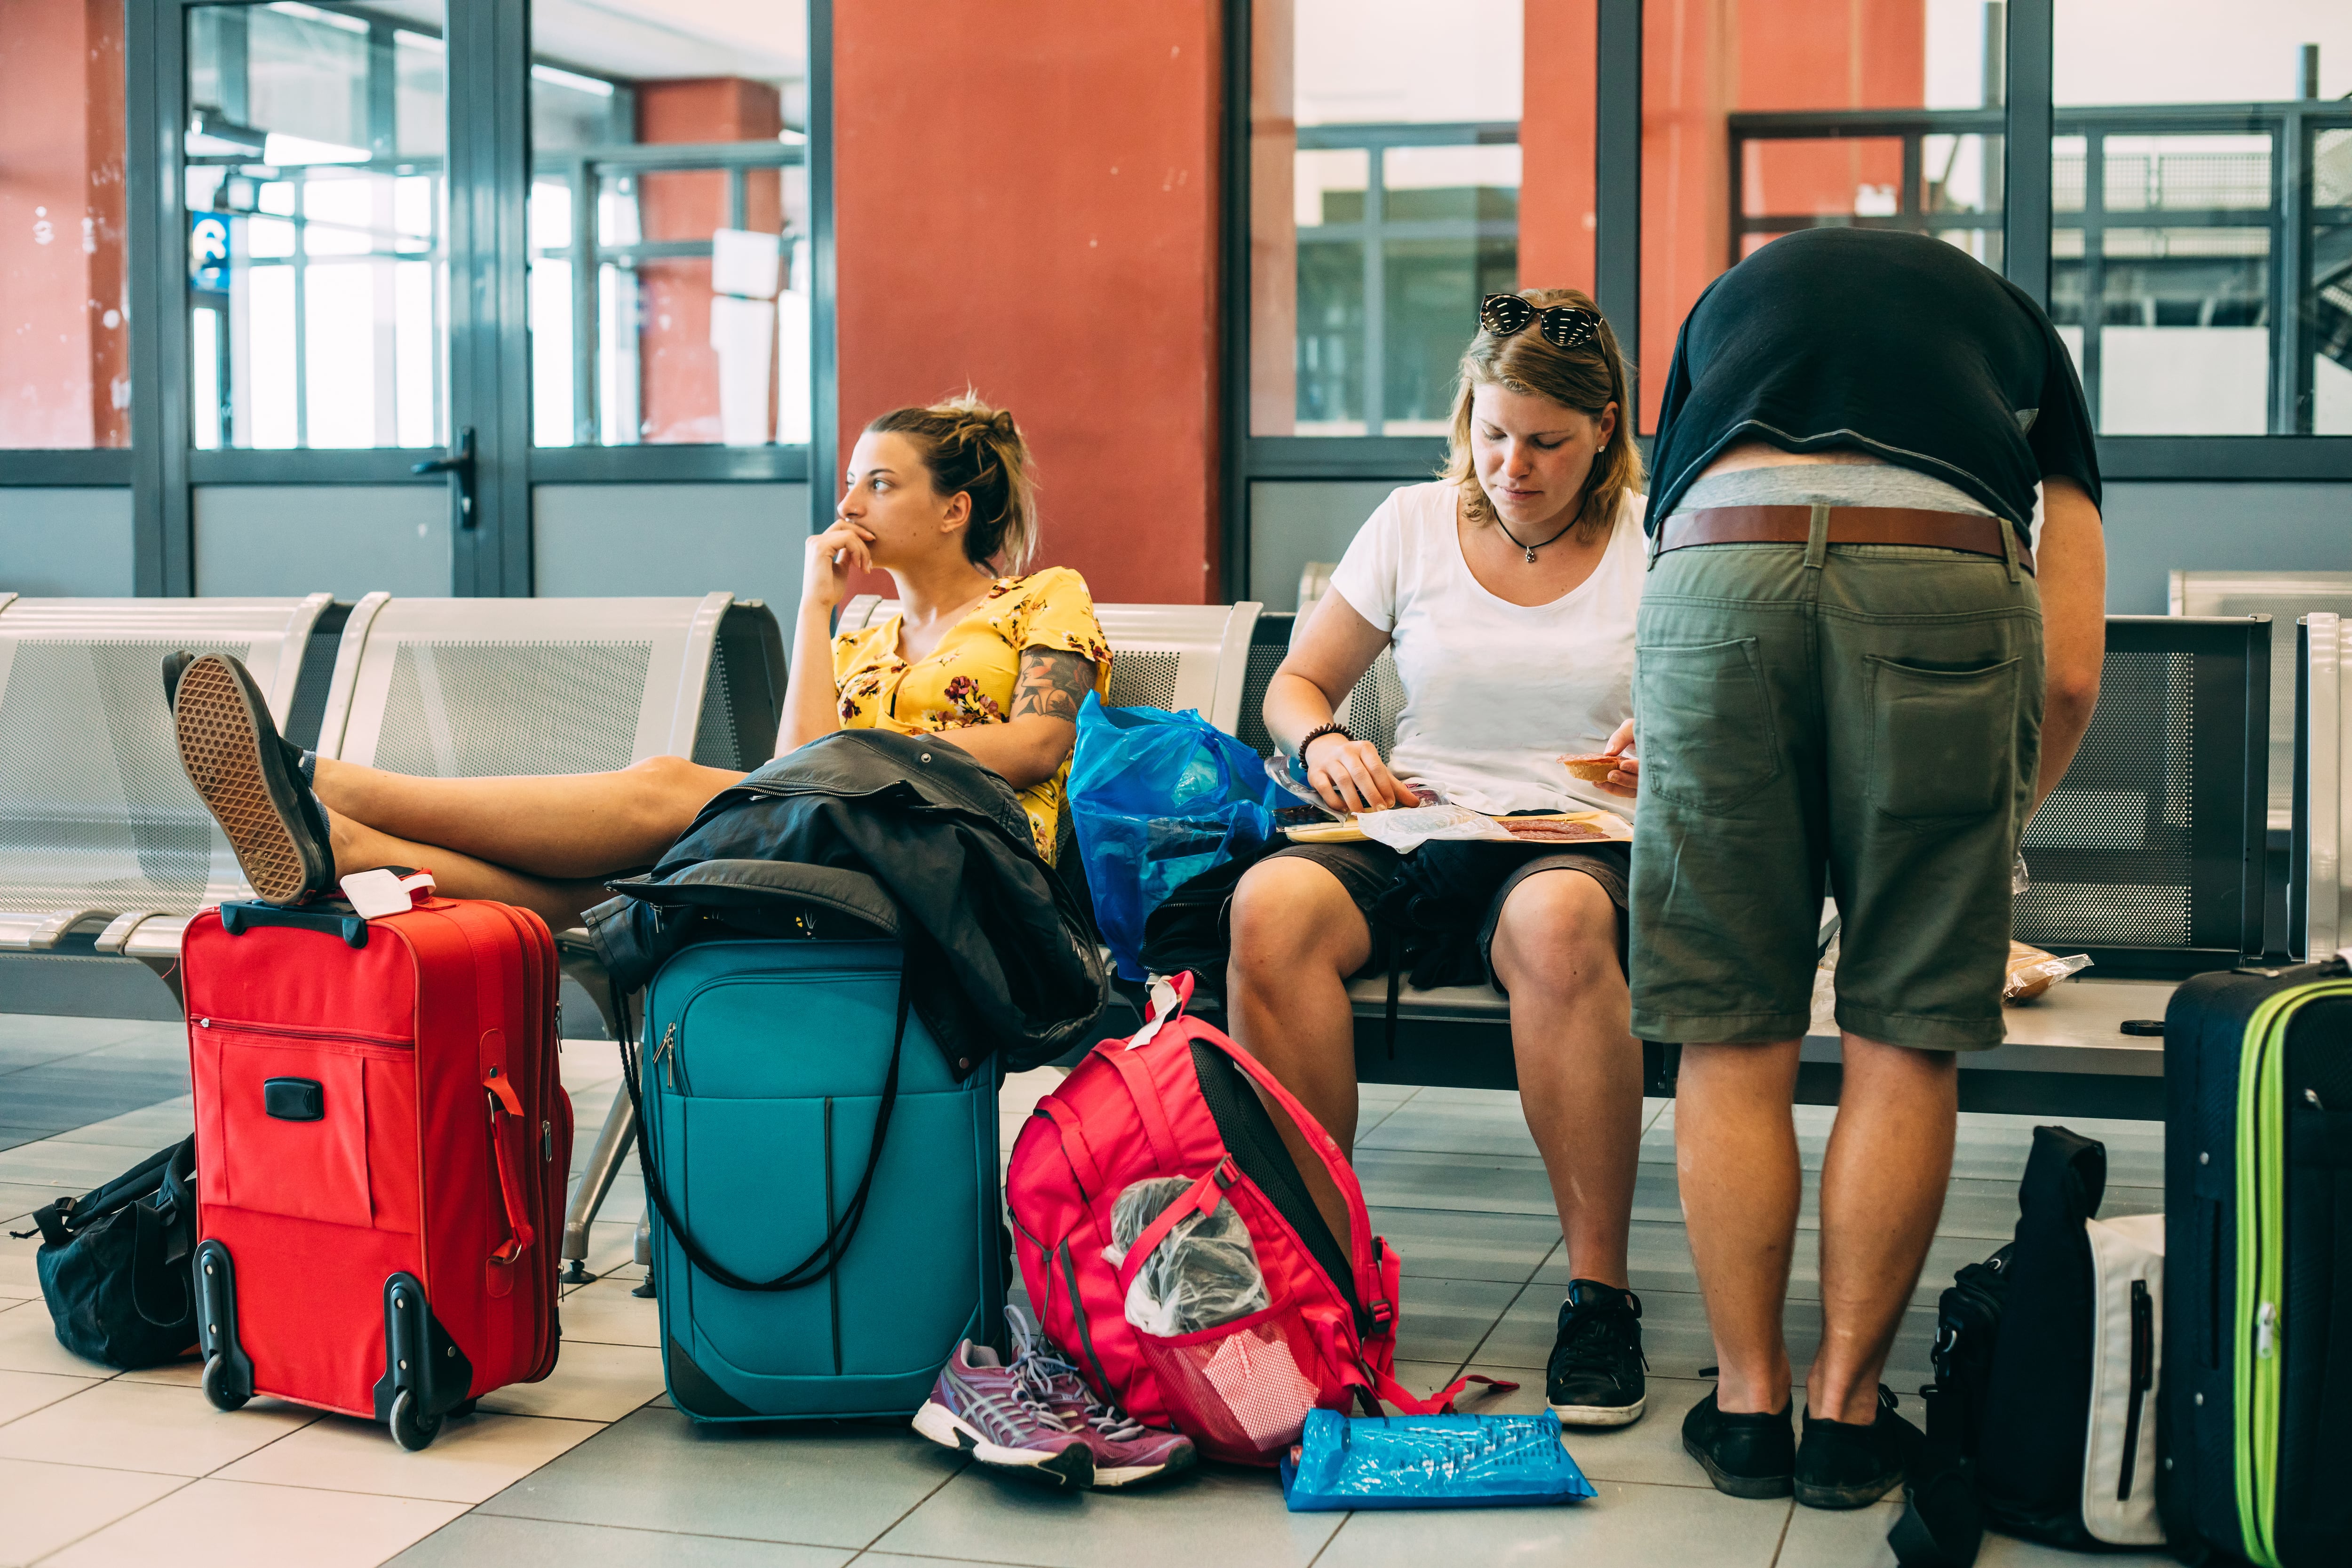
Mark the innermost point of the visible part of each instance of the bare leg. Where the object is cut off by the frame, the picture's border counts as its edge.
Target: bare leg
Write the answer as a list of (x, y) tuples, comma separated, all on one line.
[(1579, 1067), (565, 825), (1883, 1184), (1736, 1156), (457, 876), (1296, 938)]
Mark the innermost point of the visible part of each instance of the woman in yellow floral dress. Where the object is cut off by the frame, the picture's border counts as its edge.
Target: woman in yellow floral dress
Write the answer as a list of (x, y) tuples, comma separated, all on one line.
[(942, 499)]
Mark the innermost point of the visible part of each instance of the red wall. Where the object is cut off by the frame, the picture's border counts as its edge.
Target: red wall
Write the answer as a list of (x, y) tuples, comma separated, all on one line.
[(1026, 201), (63, 371), (1557, 173)]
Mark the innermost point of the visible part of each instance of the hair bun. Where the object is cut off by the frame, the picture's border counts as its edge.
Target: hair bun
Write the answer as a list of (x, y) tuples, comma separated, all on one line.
[(1000, 423)]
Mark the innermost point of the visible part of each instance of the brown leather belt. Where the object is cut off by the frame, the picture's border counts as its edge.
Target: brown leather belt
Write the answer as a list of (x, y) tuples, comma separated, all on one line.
[(1976, 534)]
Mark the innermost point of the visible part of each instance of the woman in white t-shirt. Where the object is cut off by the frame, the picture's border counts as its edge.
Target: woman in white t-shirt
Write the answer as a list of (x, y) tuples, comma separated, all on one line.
[(1508, 589)]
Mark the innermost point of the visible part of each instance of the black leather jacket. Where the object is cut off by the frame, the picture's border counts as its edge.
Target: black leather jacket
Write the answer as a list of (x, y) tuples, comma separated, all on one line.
[(1001, 959)]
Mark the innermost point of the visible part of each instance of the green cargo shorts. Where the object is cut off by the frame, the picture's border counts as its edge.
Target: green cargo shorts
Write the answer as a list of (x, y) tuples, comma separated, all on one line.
[(1868, 711)]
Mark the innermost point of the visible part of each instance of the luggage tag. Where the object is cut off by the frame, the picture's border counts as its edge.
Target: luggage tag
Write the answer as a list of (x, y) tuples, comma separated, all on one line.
[(385, 892), (1167, 996)]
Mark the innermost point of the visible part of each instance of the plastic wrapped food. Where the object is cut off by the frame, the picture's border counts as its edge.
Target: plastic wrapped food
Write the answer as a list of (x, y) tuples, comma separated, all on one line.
[(1204, 1271), (2031, 972), (1430, 1461)]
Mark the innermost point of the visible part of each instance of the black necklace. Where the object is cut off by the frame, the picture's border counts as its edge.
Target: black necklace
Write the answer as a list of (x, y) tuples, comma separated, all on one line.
[(1539, 544)]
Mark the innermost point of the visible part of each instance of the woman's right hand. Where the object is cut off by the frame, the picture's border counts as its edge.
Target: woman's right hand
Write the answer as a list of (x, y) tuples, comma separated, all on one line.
[(1349, 775), (825, 578)]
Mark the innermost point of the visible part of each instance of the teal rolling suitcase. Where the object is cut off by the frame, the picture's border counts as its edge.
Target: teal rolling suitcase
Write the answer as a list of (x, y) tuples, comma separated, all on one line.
[(826, 1204)]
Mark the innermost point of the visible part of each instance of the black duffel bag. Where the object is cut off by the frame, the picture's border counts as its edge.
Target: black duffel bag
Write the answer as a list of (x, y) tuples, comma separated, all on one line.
[(114, 1263)]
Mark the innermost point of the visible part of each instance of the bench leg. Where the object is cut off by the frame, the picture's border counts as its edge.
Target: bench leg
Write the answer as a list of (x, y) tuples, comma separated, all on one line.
[(167, 970), (646, 1251), (612, 1142)]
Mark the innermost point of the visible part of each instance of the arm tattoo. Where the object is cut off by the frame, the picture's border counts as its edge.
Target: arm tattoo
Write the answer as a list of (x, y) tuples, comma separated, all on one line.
[(1053, 684)]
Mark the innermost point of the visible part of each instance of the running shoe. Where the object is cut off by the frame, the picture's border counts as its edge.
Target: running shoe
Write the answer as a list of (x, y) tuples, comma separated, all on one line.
[(1595, 1377), (1126, 1451), (242, 771), (994, 1412)]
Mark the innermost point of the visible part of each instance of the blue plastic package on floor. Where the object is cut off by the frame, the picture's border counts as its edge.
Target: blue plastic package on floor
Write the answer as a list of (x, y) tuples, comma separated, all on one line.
[(1430, 1461)]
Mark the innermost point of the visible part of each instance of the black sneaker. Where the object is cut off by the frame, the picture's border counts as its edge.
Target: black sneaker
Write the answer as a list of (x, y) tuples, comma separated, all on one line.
[(1745, 1455), (1847, 1463), (1595, 1376), (239, 766)]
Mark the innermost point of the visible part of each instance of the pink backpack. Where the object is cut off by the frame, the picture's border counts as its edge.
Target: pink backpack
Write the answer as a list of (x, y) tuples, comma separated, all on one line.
[(1175, 1100)]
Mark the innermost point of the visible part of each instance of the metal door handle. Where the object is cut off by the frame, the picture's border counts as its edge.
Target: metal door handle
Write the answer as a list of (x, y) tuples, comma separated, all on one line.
[(459, 466)]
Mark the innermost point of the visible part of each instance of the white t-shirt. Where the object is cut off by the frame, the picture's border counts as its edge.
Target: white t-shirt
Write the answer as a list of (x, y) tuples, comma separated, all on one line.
[(1495, 691)]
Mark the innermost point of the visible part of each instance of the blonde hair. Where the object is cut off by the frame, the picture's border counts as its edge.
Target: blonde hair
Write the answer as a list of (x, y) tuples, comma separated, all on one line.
[(970, 449), (1587, 378)]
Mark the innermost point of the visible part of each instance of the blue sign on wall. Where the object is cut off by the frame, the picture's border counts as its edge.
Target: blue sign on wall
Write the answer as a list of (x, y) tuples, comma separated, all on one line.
[(209, 252)]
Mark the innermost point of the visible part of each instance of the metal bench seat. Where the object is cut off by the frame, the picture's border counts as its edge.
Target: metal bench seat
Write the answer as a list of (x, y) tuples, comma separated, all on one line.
[(99, 831), (473, 688), (2148, 856)]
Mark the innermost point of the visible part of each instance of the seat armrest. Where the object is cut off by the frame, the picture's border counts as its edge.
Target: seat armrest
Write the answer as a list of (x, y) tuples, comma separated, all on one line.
[(40, 932), (156, 938)]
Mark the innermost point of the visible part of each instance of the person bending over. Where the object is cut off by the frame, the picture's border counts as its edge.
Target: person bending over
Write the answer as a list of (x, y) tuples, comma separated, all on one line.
[(1507, 590), (941, 498), (1857, 664)]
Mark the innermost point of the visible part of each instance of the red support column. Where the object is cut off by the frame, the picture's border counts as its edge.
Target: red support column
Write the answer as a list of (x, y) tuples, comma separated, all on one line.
[(1030, 206)]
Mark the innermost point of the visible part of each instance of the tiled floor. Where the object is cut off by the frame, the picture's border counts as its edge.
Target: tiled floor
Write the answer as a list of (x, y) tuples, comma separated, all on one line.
[(593, 1467)]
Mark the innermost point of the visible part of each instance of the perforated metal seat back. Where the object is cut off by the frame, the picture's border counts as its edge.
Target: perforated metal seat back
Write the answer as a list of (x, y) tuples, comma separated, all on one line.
[(1371, 708), (95, 812), (2148, 853), (473, 688)]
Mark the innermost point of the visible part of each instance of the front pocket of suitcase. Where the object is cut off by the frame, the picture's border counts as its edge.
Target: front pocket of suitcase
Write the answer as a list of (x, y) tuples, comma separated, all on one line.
[(314, 1126), (2314, 1445), (744, 1177)]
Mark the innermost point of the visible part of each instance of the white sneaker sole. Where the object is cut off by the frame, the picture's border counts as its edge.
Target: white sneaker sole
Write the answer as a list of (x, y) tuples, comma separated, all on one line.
[(1600, 1415), (1070, 1466), (1128, 1475)]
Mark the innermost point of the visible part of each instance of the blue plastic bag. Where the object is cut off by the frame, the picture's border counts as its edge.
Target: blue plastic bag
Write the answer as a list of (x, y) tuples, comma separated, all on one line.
[(1429, 1461), (1157, 798)]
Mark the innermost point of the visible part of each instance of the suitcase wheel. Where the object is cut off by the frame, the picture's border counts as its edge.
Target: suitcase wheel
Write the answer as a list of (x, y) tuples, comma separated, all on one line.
[(411, 1427), (216, 1385)]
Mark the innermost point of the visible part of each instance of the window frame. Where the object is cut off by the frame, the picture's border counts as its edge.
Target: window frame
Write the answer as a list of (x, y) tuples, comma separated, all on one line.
[(489, 59), (2028, 122)]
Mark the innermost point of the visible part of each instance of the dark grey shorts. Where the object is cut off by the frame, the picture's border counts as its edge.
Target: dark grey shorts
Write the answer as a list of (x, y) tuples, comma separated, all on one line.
[(1369, 871)]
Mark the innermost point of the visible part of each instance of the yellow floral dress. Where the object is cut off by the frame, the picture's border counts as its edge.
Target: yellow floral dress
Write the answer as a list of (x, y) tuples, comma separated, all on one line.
[(969, 679)]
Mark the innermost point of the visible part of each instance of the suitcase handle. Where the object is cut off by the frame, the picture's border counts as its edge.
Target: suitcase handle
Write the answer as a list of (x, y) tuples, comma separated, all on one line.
[(236, 918), (522, 1233)]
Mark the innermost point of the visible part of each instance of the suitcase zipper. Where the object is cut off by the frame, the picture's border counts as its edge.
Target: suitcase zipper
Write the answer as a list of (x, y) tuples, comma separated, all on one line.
[(666, 1056), (356, 1036)]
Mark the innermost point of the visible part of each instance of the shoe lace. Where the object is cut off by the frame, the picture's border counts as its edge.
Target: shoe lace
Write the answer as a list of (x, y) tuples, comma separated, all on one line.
[(1043, 1375), (1599, 1335)]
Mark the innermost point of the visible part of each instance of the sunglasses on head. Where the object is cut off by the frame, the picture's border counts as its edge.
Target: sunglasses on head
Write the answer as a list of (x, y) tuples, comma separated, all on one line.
[(1562, 326)]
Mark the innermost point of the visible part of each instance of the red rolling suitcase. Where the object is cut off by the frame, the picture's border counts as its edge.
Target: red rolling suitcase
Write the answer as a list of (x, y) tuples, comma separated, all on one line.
[(382, 1144)]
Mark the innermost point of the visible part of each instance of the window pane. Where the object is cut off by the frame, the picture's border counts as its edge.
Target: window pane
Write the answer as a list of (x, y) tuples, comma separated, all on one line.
[(317, 280), (669, 290), (1761, 117), (64, 336), (2170, 239), (2329, 308), (1385, 180)]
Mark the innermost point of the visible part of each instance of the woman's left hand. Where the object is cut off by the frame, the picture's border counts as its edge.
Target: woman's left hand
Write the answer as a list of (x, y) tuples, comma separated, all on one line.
[(1625, 779)]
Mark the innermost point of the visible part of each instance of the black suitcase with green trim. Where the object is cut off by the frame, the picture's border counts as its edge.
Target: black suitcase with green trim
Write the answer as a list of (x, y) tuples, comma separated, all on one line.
[(2256, 1391)]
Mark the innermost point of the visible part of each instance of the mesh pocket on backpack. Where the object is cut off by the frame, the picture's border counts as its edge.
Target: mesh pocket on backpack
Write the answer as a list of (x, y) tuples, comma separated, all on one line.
[(1242, 1389)]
